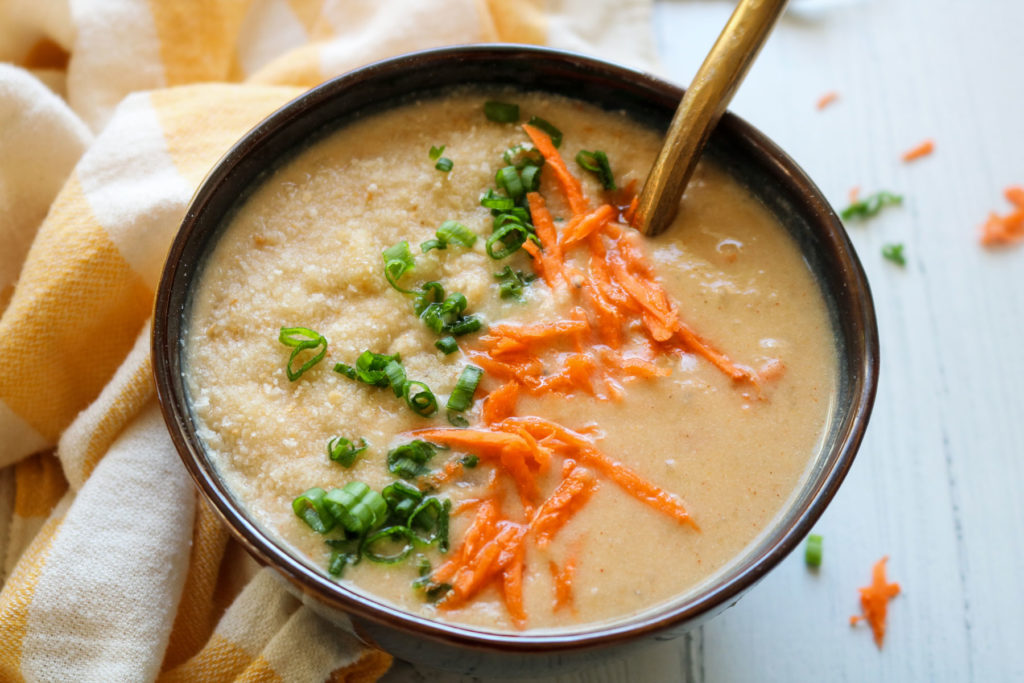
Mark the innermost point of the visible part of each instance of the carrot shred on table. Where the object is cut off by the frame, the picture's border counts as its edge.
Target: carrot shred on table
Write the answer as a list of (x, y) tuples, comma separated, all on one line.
[(874, 601), (571, 494), (921, 150), (500, 403), (571, 187), (1009, 228), (827, 99), (563, 579)]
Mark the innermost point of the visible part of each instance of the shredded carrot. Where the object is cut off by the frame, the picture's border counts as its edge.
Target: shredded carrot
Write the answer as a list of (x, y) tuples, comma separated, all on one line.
[(500, 403), (921, 150), (578, 230), (631, 482), (479, 530), (1007, 229), (486, 564), (827, 99), (512, 587), (566, 500), (551, 252), (534, 333), (874, 601), (563, 582), (854, 194), (570, 185)]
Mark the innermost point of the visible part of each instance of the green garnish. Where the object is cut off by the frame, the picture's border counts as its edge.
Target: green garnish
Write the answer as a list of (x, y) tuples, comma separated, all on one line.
[(398, 260), (462, 396), (402, 500), (344, 551), (376, 547), (469, 461), (871, 205), (410, 459), (597, 163), (812, 551), (422, 402), (508, 179), (553, 133), (396, 376), (302, 339), (445, 316), (369, 369), (436, 152), (511, 283), (447, 345), (512, 235), (432, 516), (357, 507), (501, 112), (496, 202), (522, 154), (444, 164), (894, 252), (341, 450), (450, 232), (311, 509)]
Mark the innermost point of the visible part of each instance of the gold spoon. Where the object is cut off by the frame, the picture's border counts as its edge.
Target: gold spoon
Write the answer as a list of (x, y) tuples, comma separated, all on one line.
[(703, 104)]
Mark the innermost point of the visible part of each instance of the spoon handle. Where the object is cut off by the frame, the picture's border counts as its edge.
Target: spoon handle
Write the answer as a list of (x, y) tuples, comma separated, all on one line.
[(703, 104)]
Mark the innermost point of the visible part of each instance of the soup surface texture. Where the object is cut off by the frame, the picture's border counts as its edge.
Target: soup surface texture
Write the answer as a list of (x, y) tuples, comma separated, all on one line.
[(614, 418)]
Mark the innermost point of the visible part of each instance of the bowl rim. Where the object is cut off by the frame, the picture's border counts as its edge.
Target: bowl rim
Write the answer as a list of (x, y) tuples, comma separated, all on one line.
[(705, 600)]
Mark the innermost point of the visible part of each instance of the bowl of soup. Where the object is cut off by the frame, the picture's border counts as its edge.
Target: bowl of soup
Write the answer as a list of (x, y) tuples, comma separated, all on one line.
[(410, 348)]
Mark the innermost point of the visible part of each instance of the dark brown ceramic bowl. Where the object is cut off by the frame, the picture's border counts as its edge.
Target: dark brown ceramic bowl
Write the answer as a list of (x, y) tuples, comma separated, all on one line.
[(744, 152)]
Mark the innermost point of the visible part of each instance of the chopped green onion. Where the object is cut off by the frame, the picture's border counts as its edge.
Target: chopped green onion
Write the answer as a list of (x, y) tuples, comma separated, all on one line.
[(444, 164), (430, 293), (341, 450), (432, 516), (431, 591), (457, 419), (369, 369), (344, 551), (522, 154), (507, 178), (398, 260), (357, 507), (311, 509), (597, 163), (462, 396), (346, 370), (450, 231), (871, 205), (496, 202), (553, 133), (812, 551), (530, 176), (410, 460), (302, 339), (436, 152), (511, 283), (402, 499), (422, 402), (447, 345), (469, 461), (465, 325), (396, 377), (376, 546), (423, 567), (894, 252), (512, 236), (501, 112)]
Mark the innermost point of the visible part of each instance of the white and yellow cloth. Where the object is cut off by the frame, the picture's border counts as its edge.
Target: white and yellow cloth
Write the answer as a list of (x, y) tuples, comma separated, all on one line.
[(111, 113)]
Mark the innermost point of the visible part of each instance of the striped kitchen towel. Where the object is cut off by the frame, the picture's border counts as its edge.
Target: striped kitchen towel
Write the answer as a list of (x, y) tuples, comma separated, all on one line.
[(111, 113)]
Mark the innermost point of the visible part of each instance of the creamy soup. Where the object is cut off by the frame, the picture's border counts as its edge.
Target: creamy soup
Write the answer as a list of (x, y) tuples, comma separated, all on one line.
[(646, 407)]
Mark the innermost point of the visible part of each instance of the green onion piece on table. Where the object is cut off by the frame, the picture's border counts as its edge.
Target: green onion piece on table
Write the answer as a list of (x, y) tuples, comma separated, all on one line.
[(436, 152), (379, 546), (597, 163), (894, 253), (312, 509), (302, 339), (553, 133), (398, 260), (357, 507), (871, 205), (341, 450), (410, 460), (501, 112), (812, 551), (444, 164)]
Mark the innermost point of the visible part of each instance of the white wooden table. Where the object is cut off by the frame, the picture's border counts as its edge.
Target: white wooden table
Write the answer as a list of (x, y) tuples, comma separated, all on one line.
[(938, 484)]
